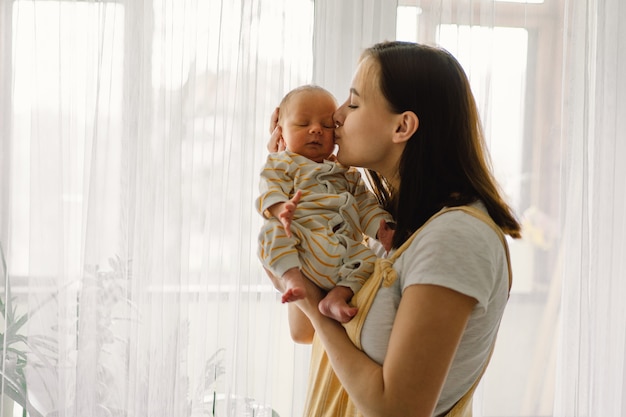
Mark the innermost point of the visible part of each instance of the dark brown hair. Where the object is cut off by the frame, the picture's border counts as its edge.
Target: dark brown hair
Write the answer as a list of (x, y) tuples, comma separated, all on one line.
[(446, 162)]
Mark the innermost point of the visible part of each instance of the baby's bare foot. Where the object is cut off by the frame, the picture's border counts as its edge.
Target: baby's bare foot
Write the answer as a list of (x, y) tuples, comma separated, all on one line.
[(337, 309), (293, 294), (294, 286)]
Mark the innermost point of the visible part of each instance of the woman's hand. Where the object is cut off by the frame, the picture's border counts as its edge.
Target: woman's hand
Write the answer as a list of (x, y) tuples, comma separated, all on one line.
[(274, 119), (276, 142), (385, 235)]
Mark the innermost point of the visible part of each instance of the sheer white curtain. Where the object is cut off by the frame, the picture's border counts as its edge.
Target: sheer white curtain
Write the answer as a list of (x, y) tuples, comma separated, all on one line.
[(131, 137), (548, 78), (592, 366)]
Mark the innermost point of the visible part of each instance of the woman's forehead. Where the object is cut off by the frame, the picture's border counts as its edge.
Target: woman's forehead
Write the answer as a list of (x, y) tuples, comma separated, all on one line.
[(365, 80)]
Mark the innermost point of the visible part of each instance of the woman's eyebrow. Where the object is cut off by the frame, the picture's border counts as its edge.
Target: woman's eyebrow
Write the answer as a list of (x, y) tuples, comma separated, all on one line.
[(353, 91)]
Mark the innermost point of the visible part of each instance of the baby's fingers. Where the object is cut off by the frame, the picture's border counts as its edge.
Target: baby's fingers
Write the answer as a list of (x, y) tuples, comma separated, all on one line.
[(297, 196), (286, 221)]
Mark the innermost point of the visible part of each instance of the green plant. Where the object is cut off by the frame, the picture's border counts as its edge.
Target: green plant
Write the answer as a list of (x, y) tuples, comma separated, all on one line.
[(18, 350), (106, 308), (100, 321)]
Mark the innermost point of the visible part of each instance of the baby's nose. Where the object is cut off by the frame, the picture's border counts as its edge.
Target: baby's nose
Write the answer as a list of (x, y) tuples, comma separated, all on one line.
[(316, 128)]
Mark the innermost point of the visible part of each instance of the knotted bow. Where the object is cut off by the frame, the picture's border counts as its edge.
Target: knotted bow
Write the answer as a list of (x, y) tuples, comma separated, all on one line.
[(384, 268)]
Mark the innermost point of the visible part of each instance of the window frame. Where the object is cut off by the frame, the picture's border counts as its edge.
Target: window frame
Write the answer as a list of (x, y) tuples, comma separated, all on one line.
[(542, 115)]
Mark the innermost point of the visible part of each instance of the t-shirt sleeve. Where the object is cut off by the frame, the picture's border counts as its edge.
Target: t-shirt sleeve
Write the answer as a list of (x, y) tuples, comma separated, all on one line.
[(455, 251)]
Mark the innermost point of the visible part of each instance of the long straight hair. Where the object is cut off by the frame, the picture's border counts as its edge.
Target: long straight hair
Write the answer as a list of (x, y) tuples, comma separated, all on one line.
[(446, 162)]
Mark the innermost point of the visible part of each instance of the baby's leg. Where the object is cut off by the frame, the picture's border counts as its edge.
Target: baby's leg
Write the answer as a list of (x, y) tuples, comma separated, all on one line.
[(335, 304), (294, 285)]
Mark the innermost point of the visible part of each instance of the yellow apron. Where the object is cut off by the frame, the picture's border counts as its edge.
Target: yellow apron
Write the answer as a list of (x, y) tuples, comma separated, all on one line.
[(326, 396)]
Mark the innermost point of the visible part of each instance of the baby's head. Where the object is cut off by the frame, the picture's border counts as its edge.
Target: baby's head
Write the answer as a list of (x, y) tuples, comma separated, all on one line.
[(306, 118)]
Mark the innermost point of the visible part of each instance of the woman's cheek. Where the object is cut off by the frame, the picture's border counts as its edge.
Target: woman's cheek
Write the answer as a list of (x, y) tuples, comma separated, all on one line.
[(345, 155)]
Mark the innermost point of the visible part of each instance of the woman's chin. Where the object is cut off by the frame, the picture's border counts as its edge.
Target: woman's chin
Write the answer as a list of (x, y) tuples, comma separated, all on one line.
[(341, 160)]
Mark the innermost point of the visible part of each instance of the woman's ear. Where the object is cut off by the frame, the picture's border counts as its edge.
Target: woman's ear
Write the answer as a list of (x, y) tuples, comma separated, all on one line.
[(408, 123)]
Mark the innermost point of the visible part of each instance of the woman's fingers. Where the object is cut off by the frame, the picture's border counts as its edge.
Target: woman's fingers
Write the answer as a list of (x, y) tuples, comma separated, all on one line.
[(274, 120), (276, 141)]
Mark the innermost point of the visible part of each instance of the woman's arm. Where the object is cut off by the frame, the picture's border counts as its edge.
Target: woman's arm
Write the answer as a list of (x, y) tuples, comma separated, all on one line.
[(300, 326), (426, 332)]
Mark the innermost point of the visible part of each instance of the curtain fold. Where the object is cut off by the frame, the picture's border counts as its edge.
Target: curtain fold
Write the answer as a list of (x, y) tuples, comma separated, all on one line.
[(591, 377)]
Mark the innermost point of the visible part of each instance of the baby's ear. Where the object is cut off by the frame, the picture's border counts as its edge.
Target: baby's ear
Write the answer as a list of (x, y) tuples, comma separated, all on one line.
[(408, 123)]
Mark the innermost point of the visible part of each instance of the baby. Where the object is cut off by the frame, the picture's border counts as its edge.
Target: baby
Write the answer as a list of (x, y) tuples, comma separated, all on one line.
[(318, 211)]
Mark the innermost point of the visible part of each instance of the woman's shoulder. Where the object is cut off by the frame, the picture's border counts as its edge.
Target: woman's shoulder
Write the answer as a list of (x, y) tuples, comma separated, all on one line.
[(455, 250), (458, 224), (455, 233)]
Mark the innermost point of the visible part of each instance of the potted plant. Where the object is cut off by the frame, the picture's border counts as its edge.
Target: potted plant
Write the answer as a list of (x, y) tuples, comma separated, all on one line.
[(18, 350)]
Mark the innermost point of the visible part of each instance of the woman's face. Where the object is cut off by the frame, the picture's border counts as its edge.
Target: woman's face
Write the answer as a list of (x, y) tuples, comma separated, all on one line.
[(366, 125)]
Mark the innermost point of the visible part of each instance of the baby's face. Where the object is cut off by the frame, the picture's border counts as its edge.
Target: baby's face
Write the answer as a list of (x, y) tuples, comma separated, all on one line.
[(307, 125)]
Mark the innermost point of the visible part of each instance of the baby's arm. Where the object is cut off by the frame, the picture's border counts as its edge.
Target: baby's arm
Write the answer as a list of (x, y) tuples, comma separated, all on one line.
[(276, 186), (284, 211)]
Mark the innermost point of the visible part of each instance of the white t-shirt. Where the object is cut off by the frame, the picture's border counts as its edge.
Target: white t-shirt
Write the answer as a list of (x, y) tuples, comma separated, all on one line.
[(460, 252)]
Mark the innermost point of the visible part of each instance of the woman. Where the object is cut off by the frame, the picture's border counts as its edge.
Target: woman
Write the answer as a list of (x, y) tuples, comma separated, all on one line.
[(412, 122)]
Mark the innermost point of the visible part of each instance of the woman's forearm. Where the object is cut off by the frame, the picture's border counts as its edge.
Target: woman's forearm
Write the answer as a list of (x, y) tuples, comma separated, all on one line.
[(300, 326), (427, 329), (359, 374)]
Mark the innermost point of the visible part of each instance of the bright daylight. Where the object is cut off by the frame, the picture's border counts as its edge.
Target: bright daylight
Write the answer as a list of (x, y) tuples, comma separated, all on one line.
[(312, 208)]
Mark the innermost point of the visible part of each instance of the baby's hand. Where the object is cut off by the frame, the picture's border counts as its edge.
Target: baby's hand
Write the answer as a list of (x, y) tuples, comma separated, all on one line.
[(385, 235), (286, 214)]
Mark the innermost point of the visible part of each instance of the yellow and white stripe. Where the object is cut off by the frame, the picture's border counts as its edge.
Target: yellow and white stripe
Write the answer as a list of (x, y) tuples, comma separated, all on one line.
[(334, 214)]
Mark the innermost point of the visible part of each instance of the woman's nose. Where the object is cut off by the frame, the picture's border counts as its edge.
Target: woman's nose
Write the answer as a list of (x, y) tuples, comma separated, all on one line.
[(338, 117)]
